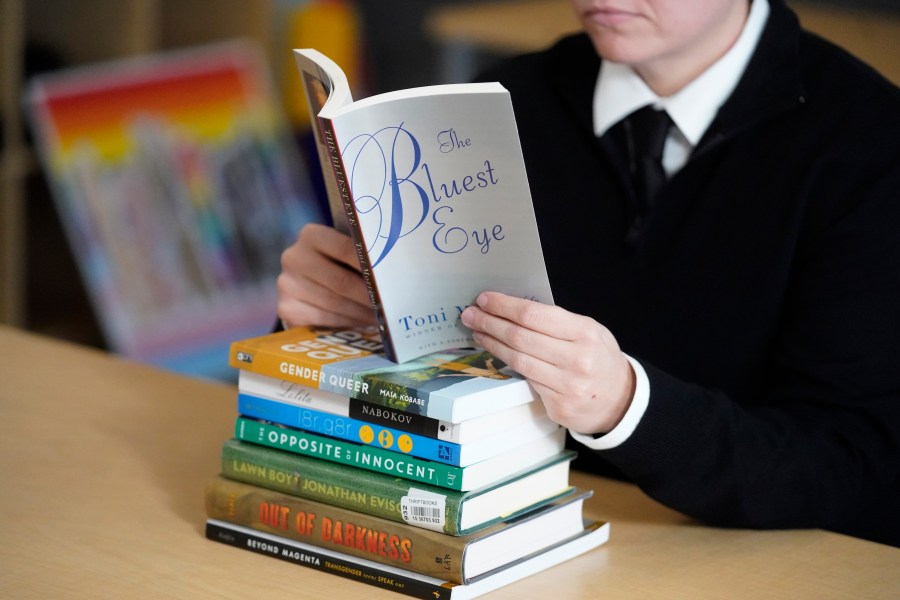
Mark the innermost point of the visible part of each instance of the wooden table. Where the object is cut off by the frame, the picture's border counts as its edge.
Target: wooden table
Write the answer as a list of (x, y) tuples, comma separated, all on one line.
[(103, 464)]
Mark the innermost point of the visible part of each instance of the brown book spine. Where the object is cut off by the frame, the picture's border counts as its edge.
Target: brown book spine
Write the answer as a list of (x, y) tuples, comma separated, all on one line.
[(380, 540)]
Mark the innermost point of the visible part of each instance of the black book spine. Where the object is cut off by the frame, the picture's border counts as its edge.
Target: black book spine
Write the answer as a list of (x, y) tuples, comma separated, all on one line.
[(322, 562), (395, 419)]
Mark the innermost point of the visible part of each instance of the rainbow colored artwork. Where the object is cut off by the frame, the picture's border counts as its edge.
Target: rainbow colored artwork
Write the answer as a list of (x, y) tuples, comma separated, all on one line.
[(179, 186)]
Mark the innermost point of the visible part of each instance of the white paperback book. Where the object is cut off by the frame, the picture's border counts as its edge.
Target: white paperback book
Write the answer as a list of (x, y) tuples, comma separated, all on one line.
[(430, 182), (493, 424)]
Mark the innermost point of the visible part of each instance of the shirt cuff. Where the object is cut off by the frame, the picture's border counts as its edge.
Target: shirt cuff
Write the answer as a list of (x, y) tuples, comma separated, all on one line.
[(629, 422)]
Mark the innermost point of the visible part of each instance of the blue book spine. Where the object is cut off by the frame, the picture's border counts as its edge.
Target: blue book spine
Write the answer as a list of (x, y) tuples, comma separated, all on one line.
[(346, 428)]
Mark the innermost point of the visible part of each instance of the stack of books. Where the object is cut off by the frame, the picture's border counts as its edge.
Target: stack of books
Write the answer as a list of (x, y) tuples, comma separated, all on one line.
[(441, 477)]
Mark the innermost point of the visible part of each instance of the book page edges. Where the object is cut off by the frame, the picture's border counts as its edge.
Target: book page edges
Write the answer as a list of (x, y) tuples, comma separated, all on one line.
[(314, 62), (450, 89)]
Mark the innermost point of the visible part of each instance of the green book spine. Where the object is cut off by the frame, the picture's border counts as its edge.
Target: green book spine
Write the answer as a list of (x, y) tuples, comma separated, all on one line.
[(396, 544), (333, 483), (348, 453)]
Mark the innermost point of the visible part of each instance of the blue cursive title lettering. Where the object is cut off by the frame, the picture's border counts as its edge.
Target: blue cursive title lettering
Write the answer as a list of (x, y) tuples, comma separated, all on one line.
[(395, 191), (449, 140)]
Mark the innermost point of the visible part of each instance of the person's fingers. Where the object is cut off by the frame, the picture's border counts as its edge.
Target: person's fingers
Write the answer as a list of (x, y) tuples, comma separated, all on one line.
[(307, 303), (331, 243), (541, 318), (320, 283)]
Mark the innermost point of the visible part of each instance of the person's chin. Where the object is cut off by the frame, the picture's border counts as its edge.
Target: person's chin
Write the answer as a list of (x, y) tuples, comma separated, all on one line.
[(617, 47)]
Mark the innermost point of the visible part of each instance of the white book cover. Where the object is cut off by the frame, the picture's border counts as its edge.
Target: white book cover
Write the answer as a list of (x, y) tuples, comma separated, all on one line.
[(432, 185)]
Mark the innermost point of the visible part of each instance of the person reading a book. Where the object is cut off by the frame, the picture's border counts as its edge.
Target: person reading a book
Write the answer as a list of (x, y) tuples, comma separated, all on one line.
[(718, 196)]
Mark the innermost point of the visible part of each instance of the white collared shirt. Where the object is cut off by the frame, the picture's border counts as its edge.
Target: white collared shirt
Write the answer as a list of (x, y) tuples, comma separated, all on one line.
[(619, 92)]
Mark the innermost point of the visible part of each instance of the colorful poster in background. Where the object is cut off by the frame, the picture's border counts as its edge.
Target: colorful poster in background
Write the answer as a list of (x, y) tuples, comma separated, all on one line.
[(178, 184)]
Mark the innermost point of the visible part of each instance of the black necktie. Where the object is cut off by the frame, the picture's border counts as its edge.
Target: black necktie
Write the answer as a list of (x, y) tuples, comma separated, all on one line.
[(646, 130)]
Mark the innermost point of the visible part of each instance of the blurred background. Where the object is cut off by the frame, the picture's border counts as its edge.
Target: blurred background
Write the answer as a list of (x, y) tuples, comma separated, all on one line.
[(55, 283)]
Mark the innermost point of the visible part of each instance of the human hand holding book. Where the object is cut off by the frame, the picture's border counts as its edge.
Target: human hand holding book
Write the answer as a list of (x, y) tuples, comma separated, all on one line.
[(573, 362), (320, 282)]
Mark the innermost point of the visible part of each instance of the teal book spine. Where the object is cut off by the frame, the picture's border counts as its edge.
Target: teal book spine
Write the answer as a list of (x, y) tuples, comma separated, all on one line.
[(348, 453)]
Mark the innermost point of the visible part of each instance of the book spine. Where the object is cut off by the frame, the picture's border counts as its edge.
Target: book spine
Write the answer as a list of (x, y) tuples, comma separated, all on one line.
[(405, 421), (328, 376), (334, 528), (344, 364), (356, 489), (257, 360), (313, 558), (341, 451), (282, 390), (349, 429), (339, 172), (300, 353), (336, 377)]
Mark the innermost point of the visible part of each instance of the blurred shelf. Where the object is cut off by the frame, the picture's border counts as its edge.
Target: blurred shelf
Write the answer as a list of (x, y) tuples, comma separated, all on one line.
[(37, 35)]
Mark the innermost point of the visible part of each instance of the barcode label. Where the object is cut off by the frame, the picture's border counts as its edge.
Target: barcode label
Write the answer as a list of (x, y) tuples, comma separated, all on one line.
[(424, 509), (425, 513)]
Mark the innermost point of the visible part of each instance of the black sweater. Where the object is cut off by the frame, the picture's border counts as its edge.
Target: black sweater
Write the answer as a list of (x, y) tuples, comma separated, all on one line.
[(763, 294)]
